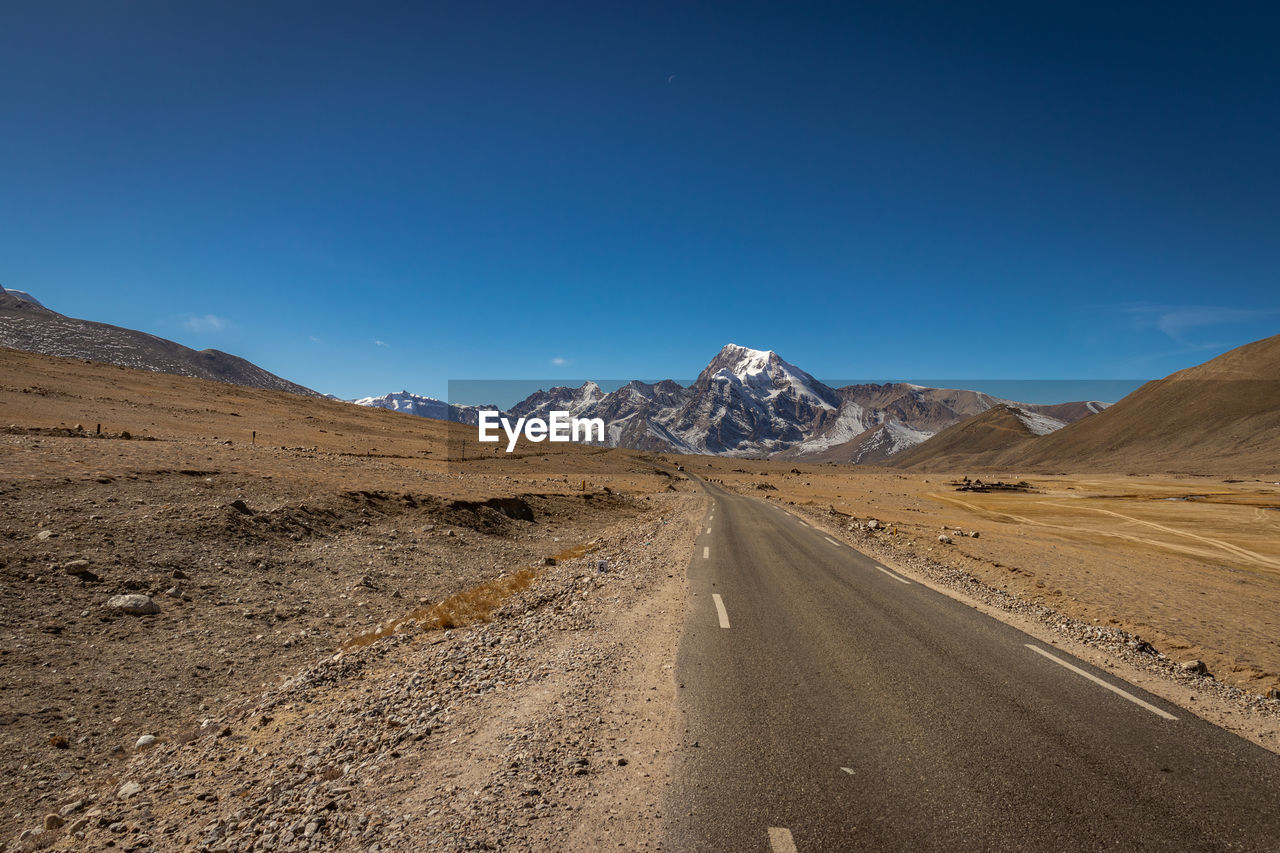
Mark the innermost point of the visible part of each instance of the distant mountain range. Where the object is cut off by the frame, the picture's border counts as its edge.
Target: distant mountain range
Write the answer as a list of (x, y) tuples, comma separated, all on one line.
[(752, 403), (27, 325), (423, 407), (1221, 416)]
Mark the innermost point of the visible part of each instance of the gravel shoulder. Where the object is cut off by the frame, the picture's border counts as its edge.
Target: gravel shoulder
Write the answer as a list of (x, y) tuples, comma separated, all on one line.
[(549, 727)]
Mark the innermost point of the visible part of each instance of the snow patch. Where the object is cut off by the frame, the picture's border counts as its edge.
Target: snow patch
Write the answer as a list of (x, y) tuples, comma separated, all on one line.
[(1038, 424)]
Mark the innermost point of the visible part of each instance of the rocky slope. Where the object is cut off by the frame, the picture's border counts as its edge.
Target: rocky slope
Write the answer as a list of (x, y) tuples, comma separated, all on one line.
[(27, 325)]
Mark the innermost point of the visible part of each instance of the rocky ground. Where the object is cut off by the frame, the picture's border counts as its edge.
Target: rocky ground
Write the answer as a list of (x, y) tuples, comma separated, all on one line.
[(507, 735), (149, 587)]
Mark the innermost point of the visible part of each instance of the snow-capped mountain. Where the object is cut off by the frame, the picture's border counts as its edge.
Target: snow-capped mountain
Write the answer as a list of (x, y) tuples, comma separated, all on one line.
[(575, 401), (752, 403), (424, 407)]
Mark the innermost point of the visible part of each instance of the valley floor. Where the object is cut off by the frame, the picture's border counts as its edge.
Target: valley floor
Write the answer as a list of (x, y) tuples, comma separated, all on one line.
[(323, 672)]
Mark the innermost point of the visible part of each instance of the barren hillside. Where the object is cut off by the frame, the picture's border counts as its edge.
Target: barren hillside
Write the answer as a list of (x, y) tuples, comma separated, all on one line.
[(29, 326), (1221, 417)]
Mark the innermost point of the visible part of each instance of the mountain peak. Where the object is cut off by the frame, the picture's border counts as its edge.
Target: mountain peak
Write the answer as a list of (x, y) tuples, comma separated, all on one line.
[(11, 298), (742, 362), (749, 360), (765, 373)]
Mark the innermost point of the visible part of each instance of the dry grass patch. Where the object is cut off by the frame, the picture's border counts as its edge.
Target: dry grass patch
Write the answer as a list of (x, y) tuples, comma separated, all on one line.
[(468, 607)]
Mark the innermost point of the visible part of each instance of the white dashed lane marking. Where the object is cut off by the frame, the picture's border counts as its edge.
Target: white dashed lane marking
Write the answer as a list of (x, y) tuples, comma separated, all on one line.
[(1116, 690), (720, 611), (706, 551), (780, 840), (892, 575), (832, 541)]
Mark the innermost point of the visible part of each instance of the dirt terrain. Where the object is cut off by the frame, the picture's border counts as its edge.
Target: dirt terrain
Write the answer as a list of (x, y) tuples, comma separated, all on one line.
[(361, 644), (263, 554)]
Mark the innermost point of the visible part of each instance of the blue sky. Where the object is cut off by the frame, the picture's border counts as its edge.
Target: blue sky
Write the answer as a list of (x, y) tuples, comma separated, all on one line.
[(364, 197)]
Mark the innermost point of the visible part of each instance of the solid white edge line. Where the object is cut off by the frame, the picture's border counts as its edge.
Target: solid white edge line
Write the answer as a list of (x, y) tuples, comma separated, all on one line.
[(780, 840), (892, 575), (1116, 690), (832, 541), (720, 611), (706, 552)]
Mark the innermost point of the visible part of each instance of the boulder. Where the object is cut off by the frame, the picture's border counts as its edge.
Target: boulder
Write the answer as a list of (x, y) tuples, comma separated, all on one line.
[(134, 604)]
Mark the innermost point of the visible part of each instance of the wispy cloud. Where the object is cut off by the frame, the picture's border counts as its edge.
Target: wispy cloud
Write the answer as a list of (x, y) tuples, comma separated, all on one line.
[(559, 361), (1184, 323), (203, 323), (379, 343)]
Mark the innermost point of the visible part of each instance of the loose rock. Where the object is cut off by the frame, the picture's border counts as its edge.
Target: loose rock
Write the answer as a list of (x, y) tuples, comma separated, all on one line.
[(134, 604)]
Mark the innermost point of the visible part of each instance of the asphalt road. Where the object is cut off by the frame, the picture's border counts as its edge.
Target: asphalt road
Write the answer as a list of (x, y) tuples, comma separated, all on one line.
[(846, 708)]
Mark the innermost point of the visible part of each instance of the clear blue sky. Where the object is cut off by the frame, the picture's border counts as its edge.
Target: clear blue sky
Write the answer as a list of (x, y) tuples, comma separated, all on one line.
[(364, 197)]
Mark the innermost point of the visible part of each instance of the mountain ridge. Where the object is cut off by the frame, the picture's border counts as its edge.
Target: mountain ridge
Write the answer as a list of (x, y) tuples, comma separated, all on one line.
[(27, 325), (753, 403)]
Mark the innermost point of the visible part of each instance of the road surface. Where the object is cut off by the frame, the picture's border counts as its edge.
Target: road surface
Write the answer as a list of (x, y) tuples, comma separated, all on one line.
[(837, 705)]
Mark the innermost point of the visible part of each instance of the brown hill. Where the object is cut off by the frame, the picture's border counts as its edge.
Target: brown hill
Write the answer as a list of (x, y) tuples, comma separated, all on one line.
[(1218, 417), (29, 326), (995, 431)]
